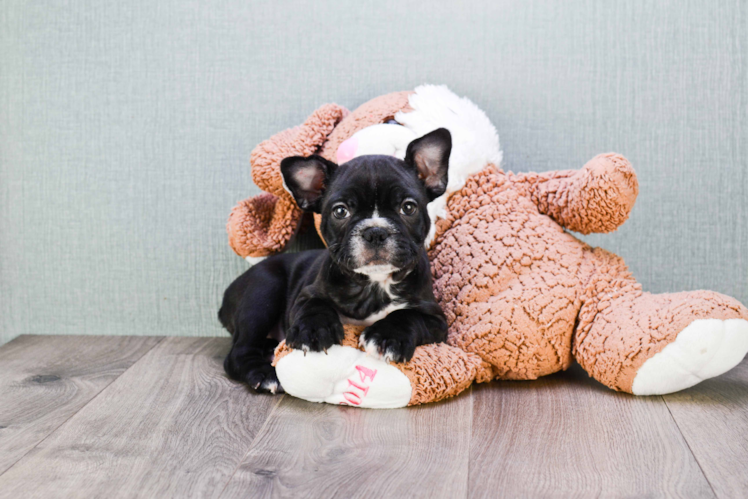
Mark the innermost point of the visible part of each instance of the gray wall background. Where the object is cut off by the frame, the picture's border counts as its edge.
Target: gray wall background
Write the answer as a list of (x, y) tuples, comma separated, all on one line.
[(126, 129)]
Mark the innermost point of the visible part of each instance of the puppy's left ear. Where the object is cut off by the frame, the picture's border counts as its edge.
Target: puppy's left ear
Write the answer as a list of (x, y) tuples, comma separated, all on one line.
[(429, 156), (307, 179)]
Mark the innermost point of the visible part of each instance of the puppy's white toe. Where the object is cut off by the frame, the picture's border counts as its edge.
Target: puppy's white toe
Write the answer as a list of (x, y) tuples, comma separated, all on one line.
[(369, 346), (271, 386), (372, 350), (389, 356)]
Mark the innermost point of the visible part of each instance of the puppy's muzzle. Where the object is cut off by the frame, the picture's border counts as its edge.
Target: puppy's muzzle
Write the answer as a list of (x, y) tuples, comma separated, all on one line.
[(373, 242), (375, 236)]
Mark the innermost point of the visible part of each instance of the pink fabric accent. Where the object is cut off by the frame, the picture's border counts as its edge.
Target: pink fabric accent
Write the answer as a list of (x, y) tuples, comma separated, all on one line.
[(347, 150), (352, 398), (360, 387), (356, 393), (366, 372)]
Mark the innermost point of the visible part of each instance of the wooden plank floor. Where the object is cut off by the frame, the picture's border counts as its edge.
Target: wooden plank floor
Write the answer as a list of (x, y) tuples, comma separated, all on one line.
[(155, 417)]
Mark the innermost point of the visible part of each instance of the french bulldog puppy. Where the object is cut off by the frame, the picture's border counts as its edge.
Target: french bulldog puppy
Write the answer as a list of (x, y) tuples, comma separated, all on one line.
[(375, 271)]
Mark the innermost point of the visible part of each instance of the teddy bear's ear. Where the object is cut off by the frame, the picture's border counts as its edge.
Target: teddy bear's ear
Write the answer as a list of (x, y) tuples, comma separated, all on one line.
[(262, 225), (429, 156), (303, 140), (307, 179)]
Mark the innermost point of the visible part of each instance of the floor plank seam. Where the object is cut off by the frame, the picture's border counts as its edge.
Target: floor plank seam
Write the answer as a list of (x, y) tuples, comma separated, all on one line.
[(79, 409), (470, 441), (251, 445), (690, 450)]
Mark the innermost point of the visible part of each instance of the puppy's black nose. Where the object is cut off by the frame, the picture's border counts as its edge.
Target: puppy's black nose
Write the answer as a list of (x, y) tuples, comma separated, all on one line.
[(375, 235)]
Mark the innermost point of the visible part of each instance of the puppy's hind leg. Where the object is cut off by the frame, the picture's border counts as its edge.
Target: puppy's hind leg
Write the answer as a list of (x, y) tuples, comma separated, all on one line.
[(255, 313)]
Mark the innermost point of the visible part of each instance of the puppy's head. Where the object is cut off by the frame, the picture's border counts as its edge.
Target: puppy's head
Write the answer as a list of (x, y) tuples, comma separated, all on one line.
[(373, 208)]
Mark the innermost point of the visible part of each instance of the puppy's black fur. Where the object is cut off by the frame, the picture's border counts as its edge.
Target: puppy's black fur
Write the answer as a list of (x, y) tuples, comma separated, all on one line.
[(374, 272)]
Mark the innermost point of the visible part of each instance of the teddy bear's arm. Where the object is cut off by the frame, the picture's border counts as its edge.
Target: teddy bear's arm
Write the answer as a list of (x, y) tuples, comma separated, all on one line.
[(596, 199)]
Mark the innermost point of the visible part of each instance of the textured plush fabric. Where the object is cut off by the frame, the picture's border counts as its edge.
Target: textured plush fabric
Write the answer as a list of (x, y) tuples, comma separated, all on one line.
[(597, 200), (439, 371), (262, 225), (303, 140)]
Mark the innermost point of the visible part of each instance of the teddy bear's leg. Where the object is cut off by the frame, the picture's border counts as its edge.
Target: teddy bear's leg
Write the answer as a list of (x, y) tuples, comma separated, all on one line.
[(649, 344), (346, 375), (343, 375)]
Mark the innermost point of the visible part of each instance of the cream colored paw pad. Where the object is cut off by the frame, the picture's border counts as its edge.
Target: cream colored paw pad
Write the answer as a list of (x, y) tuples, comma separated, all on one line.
[(343, 376), (704, 349)]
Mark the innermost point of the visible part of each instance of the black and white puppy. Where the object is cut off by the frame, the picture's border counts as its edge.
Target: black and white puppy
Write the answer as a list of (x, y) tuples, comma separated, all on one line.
[(375, 271)]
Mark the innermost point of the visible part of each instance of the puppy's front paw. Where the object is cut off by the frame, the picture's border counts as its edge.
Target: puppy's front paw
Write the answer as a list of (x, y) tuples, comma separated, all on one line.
[(388, 343), (315, 332)]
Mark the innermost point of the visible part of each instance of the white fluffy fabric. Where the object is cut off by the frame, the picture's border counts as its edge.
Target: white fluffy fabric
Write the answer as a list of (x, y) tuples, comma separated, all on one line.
[(383, 139), (343, 376), (704, 349), (475, 142)]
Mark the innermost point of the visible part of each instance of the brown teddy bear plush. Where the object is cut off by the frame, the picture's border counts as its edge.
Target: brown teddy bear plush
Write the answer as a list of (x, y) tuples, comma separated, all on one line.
[(522, 296)]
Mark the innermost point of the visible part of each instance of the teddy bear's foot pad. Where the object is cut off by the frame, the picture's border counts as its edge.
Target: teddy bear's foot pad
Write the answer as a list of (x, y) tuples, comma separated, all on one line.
[(344, 376), (704, 349)]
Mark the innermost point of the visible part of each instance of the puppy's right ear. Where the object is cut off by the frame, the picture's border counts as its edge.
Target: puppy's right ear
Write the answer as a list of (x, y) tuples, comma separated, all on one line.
[(306, 179), (429, 157)]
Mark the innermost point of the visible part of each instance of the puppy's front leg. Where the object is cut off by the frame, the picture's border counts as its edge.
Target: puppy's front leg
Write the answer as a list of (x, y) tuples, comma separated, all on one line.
[(314, 325), (396, 336)]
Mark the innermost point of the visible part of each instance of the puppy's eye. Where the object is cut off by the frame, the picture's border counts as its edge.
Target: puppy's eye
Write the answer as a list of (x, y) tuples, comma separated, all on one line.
[(409, 207), (341, 211)]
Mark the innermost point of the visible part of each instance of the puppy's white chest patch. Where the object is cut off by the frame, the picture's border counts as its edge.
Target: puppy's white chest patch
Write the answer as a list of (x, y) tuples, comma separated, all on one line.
[(370, 320), (381, 276)]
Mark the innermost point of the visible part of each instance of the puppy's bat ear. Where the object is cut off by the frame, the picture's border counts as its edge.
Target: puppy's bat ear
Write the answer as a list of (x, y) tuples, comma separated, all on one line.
[(429, 156), (306, 179)]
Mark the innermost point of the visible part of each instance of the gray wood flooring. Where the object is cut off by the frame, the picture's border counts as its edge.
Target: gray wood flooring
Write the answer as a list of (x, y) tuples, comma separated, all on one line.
[(91, 416)]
